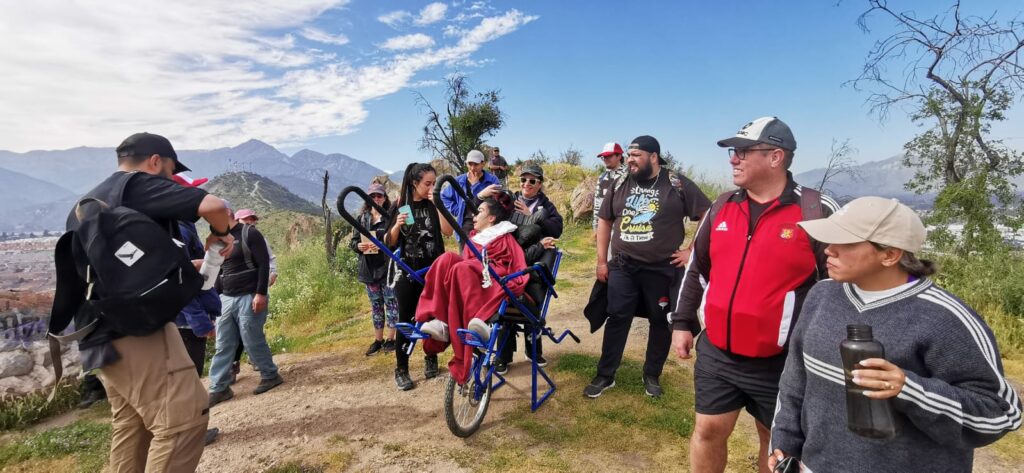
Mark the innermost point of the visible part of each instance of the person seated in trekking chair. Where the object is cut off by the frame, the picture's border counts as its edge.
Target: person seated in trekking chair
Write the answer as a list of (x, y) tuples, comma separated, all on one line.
[(460, 291), (539, 221)]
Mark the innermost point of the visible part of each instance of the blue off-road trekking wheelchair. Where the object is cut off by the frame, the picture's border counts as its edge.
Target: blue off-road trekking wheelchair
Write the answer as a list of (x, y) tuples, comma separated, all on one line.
[(465, 406)]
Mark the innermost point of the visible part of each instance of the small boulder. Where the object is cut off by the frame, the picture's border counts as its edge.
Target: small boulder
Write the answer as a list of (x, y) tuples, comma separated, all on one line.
[(15, 363)]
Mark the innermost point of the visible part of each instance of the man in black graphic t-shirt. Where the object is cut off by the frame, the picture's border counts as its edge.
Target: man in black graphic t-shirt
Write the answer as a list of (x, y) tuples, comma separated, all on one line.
[(642, 217)]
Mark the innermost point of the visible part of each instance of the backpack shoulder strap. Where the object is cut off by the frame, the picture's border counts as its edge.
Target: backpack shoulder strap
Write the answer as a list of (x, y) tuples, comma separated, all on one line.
[(810, 204), (117, 190), (717, 205), (245, 247)]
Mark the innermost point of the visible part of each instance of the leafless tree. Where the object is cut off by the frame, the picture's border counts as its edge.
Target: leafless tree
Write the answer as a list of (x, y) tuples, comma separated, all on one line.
[(330, 238), (840, 163)]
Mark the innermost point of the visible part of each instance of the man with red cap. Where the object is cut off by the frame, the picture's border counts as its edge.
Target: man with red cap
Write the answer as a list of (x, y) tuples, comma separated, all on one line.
[(615, 167)]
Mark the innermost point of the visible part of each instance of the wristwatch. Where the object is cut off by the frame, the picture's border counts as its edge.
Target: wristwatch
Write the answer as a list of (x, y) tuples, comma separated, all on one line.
[(214, 232)]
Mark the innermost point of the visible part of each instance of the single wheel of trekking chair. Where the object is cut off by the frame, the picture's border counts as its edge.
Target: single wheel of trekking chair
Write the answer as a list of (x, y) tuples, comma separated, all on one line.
[(465, 406)]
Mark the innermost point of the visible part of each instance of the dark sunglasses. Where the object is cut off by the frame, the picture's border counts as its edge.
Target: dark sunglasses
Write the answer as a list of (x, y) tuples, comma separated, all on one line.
[(532, 181), (374, 196)]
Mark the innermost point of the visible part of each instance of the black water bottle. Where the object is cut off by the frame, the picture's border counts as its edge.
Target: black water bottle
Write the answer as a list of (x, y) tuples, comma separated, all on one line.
[(866, 417)]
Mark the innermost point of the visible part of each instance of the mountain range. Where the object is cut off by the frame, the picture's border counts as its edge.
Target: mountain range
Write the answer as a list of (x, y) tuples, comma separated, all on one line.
[(38, 188), (885, 178)]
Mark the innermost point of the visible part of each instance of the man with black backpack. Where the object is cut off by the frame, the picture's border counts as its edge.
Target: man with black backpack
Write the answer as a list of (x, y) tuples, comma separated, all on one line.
[(243, 285), (123, 278), (749, 272), (642, 220)]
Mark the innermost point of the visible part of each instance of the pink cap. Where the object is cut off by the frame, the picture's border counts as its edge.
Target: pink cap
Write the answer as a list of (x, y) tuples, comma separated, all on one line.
[(245, 213)]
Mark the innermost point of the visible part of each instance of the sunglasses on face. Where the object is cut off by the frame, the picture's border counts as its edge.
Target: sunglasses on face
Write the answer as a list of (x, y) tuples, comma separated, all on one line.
[(376, 196), (529, 180)]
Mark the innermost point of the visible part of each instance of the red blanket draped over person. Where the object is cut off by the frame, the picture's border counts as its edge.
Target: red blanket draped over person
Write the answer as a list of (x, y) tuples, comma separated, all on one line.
[(454, 291)]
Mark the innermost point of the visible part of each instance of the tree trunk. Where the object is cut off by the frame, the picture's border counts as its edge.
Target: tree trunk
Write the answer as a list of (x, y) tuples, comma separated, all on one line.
[(330, 243)]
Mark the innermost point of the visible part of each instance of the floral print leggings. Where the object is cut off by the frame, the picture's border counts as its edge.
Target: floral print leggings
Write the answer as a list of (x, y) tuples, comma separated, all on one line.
[(384, 304)]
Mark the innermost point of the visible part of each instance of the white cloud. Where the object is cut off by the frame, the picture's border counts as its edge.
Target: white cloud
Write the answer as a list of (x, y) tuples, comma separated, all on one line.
[(432, 13), (394, 18), (321, 36), (409, 41), (204, 74)]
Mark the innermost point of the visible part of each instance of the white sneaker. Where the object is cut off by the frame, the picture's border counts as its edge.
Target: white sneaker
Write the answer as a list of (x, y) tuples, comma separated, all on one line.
[(483, 329), (436, 329)]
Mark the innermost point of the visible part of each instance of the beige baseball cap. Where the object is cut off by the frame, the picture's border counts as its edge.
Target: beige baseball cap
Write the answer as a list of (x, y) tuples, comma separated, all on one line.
[(875, 219)]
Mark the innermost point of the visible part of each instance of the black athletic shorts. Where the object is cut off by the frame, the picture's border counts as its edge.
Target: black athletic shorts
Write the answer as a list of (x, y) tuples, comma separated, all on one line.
[(724, 382)]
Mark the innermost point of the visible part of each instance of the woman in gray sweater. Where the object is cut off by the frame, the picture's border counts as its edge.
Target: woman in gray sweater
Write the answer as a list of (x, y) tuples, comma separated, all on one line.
[(942, 371)]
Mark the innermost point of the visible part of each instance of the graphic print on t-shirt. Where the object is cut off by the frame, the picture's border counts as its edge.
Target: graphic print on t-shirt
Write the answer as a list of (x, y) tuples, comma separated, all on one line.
[(641, 206), (420, 241)]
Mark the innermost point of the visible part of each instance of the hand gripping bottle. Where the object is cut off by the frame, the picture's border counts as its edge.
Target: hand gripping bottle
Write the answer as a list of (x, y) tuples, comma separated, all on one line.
[(866, 417), (211, 264)]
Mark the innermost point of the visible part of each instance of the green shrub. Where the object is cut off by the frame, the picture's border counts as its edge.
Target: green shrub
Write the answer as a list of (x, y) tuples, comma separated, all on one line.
[(23, 411), (88, 441)]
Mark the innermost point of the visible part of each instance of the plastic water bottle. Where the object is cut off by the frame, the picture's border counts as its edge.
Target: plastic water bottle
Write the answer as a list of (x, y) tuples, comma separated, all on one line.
[(866, 417), (211, 264)]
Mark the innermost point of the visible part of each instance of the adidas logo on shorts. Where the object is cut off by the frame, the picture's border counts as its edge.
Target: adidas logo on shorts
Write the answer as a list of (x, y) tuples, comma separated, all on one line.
[(722, 227)]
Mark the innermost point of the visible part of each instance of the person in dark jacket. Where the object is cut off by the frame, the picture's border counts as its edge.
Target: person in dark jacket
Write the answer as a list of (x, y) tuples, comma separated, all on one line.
[(533, 209), (373, 270), (195, 322)]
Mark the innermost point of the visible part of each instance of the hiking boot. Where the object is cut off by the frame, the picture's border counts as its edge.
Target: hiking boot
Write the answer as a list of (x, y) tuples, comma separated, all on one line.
[(92, 397), (236, 368), (598, 386), (430, 366), (221, 396), (436, 329), (266, 384), (541, 361), (403, 380), (481, 328), (389, 346), (211, 436), (652, 386), (375, 347), (501, 366)]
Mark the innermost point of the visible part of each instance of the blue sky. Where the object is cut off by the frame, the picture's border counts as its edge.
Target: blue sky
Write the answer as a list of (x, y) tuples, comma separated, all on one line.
[(340, 76)]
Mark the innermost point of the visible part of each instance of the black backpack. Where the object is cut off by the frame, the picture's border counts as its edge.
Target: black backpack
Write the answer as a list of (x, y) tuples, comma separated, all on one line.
[(117, 265)]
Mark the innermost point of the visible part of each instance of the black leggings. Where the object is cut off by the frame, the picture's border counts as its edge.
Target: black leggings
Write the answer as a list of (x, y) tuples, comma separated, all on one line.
[(407, 293)]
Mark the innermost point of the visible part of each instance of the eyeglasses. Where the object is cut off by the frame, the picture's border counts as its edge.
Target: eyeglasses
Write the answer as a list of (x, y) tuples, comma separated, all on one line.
[(741, 154), (376, 196), (532, 181)]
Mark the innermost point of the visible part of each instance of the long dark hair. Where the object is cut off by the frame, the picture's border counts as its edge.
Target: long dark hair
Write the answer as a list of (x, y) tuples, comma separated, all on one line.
[(413, 175)]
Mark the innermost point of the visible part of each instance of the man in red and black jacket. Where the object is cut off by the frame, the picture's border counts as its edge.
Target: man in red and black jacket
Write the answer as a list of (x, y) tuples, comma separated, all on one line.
[(749, 272)]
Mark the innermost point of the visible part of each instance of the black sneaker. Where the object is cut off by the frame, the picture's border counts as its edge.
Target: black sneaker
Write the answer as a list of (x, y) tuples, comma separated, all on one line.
[(375, 347), (652, 386), (541, 361), (92, 397), (266, 384), (403, 380), (389, 346), (221, 396), (501, 367), (598, 386), (430, 370), (211, 436)]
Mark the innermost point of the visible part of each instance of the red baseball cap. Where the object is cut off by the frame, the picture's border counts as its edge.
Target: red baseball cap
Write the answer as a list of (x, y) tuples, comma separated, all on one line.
[(610, 149), (183, 179)]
